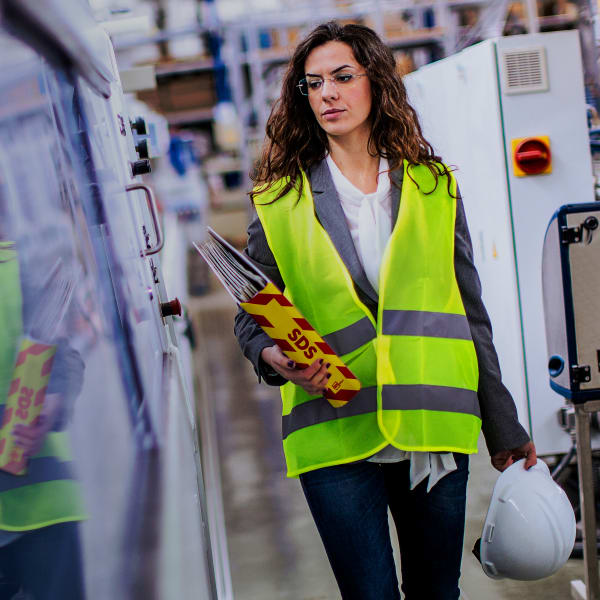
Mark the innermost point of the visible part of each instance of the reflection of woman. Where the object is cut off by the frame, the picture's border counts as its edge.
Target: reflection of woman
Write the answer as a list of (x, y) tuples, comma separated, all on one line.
[(39, 537), (363, 226)]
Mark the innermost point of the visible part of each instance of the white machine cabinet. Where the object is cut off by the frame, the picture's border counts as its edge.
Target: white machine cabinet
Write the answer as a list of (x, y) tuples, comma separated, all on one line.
[(85, 280), (498, 111)]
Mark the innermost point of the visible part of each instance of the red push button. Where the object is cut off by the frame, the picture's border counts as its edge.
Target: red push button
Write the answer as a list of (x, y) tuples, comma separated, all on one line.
[(532, 156), (172, 308)]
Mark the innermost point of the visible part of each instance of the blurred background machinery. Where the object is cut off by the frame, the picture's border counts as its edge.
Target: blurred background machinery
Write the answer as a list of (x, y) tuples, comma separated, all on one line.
[(218, 64)]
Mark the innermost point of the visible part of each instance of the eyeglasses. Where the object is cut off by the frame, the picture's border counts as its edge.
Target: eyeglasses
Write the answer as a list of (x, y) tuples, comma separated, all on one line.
[(312, 85)]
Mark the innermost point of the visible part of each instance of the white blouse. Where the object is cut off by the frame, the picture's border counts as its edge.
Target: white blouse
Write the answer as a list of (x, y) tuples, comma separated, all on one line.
[(369, 218)]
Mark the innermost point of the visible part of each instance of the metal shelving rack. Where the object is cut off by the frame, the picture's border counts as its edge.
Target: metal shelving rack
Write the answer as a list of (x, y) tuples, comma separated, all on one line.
[(248, 64)]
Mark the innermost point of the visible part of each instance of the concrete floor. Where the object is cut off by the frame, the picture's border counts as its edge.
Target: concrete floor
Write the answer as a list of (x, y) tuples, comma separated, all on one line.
[(274, 548)]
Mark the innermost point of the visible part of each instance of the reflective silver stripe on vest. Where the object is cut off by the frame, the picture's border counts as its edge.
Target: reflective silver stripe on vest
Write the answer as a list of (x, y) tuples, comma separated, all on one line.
[(319, 410), (39, 470), (352, 337), (428, 324), (430, 397)]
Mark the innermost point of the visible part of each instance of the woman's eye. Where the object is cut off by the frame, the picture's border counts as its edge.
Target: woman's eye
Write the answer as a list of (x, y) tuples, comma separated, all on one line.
[(315, 85), (345, 78)]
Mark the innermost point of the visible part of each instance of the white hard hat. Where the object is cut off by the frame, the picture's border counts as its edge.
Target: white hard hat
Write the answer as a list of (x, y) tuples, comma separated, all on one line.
[(529, 529)]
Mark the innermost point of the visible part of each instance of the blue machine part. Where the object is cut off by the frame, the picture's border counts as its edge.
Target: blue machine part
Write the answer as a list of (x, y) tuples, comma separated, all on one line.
[(566, 382)]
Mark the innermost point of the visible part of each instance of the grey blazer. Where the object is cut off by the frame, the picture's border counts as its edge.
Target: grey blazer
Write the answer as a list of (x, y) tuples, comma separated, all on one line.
[(500, 425)]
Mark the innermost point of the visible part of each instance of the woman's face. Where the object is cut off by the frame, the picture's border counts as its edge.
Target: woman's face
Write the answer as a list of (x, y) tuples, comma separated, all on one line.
[(340, 108)]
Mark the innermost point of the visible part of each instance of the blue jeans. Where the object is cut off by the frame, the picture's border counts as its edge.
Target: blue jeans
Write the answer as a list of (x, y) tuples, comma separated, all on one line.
[(349, 505), (46, 563)]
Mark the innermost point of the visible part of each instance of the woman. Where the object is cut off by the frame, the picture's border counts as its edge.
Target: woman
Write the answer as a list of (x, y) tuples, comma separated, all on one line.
[(362, 225), (40, 510)]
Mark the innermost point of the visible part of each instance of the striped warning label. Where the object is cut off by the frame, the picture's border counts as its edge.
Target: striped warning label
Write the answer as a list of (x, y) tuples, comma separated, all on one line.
[(25, 399), (298, 340)]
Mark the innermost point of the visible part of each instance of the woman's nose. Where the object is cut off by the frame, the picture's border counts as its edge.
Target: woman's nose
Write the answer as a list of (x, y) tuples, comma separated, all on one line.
[(329, 89)]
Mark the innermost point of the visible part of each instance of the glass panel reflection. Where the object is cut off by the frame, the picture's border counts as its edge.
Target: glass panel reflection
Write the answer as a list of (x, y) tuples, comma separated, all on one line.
[(67, 450)]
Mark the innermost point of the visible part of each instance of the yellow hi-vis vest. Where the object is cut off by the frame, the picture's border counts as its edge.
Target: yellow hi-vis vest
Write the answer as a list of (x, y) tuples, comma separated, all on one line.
[(416, 362), (47, 493)]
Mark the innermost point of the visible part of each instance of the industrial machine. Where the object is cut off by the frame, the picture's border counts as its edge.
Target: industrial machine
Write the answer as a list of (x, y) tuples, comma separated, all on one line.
[(571, 280), (88, 240), (510, 114)]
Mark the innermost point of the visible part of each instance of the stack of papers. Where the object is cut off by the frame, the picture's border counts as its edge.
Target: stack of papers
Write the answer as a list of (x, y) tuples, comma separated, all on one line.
[(255, 293)]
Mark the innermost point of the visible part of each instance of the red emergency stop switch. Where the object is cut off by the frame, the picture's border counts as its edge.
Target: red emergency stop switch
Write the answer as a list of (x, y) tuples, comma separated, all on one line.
[(171, 308), (532, 156)]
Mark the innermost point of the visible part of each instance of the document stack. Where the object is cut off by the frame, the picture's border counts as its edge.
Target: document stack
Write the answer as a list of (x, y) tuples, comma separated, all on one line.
[(276, 315)]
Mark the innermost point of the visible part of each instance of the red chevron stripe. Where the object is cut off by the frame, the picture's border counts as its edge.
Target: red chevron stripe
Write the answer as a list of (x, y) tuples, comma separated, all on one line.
[(47, 367), (284, 345), (346, 372), (341, 396), (262, 321), (39, 396), (302, 366), (324, 347), (304, 324), (35, 350), (14, 386), (263, 299), (7, 416)]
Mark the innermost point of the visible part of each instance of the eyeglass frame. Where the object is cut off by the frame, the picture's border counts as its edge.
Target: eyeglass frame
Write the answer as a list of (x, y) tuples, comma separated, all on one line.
[(324, 79)]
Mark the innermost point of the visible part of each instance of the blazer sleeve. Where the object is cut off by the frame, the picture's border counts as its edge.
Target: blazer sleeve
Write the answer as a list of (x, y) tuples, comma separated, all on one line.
[(67, 375), (500, 424), (251, 338)]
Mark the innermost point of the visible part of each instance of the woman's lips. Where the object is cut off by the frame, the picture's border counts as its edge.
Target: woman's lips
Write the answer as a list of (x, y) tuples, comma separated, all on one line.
[(332, 114)]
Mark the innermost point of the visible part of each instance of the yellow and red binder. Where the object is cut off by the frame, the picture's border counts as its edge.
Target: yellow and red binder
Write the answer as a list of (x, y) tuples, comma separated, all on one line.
[(25, 399), (276, 315)]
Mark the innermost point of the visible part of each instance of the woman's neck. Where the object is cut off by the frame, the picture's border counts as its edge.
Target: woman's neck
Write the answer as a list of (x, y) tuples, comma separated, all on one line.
[(354, 161)]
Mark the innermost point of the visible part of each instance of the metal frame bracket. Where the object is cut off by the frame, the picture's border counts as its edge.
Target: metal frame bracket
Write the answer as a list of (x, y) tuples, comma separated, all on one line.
[(580, 374), (570, 235)]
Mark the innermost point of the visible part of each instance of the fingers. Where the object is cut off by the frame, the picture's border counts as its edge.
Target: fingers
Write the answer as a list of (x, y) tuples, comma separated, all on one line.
[(274, 357), (29, 439), (313, 379), (314, 371), (531, 456), (26, 433), (502, 460), (526, 451), (279, 360)]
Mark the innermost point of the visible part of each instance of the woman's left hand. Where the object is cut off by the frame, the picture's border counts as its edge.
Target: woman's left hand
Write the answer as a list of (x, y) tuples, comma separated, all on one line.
[(31, 437), (502, 460)]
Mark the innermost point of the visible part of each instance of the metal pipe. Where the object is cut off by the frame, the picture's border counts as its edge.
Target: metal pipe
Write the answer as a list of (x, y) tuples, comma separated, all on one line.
[(259, 91), (589, 50), (232, 56), (588, 503), (378, 19), (566, 459), (532, 16)]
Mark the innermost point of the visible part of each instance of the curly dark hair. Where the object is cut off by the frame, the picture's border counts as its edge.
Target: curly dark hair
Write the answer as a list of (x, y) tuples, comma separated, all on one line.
[(294, 139)]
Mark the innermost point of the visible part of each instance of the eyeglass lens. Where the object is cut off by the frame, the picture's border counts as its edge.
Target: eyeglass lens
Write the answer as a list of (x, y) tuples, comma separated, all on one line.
[(314, 84)]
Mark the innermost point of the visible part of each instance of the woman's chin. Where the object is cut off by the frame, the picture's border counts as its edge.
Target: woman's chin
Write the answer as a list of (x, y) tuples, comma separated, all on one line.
[(336, 129)]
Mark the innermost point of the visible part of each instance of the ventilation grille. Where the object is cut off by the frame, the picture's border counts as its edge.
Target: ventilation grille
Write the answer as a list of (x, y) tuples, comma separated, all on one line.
[(525, 71)]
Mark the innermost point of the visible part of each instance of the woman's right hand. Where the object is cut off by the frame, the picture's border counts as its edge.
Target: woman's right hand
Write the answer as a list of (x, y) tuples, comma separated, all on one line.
[(312, 380)]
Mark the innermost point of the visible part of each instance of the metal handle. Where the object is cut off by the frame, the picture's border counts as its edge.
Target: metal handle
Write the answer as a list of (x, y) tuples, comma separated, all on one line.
[(152, 208)]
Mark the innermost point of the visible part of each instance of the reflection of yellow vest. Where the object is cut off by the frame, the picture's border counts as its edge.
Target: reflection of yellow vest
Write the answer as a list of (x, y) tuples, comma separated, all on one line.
[(47, 494), (416, 362)]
